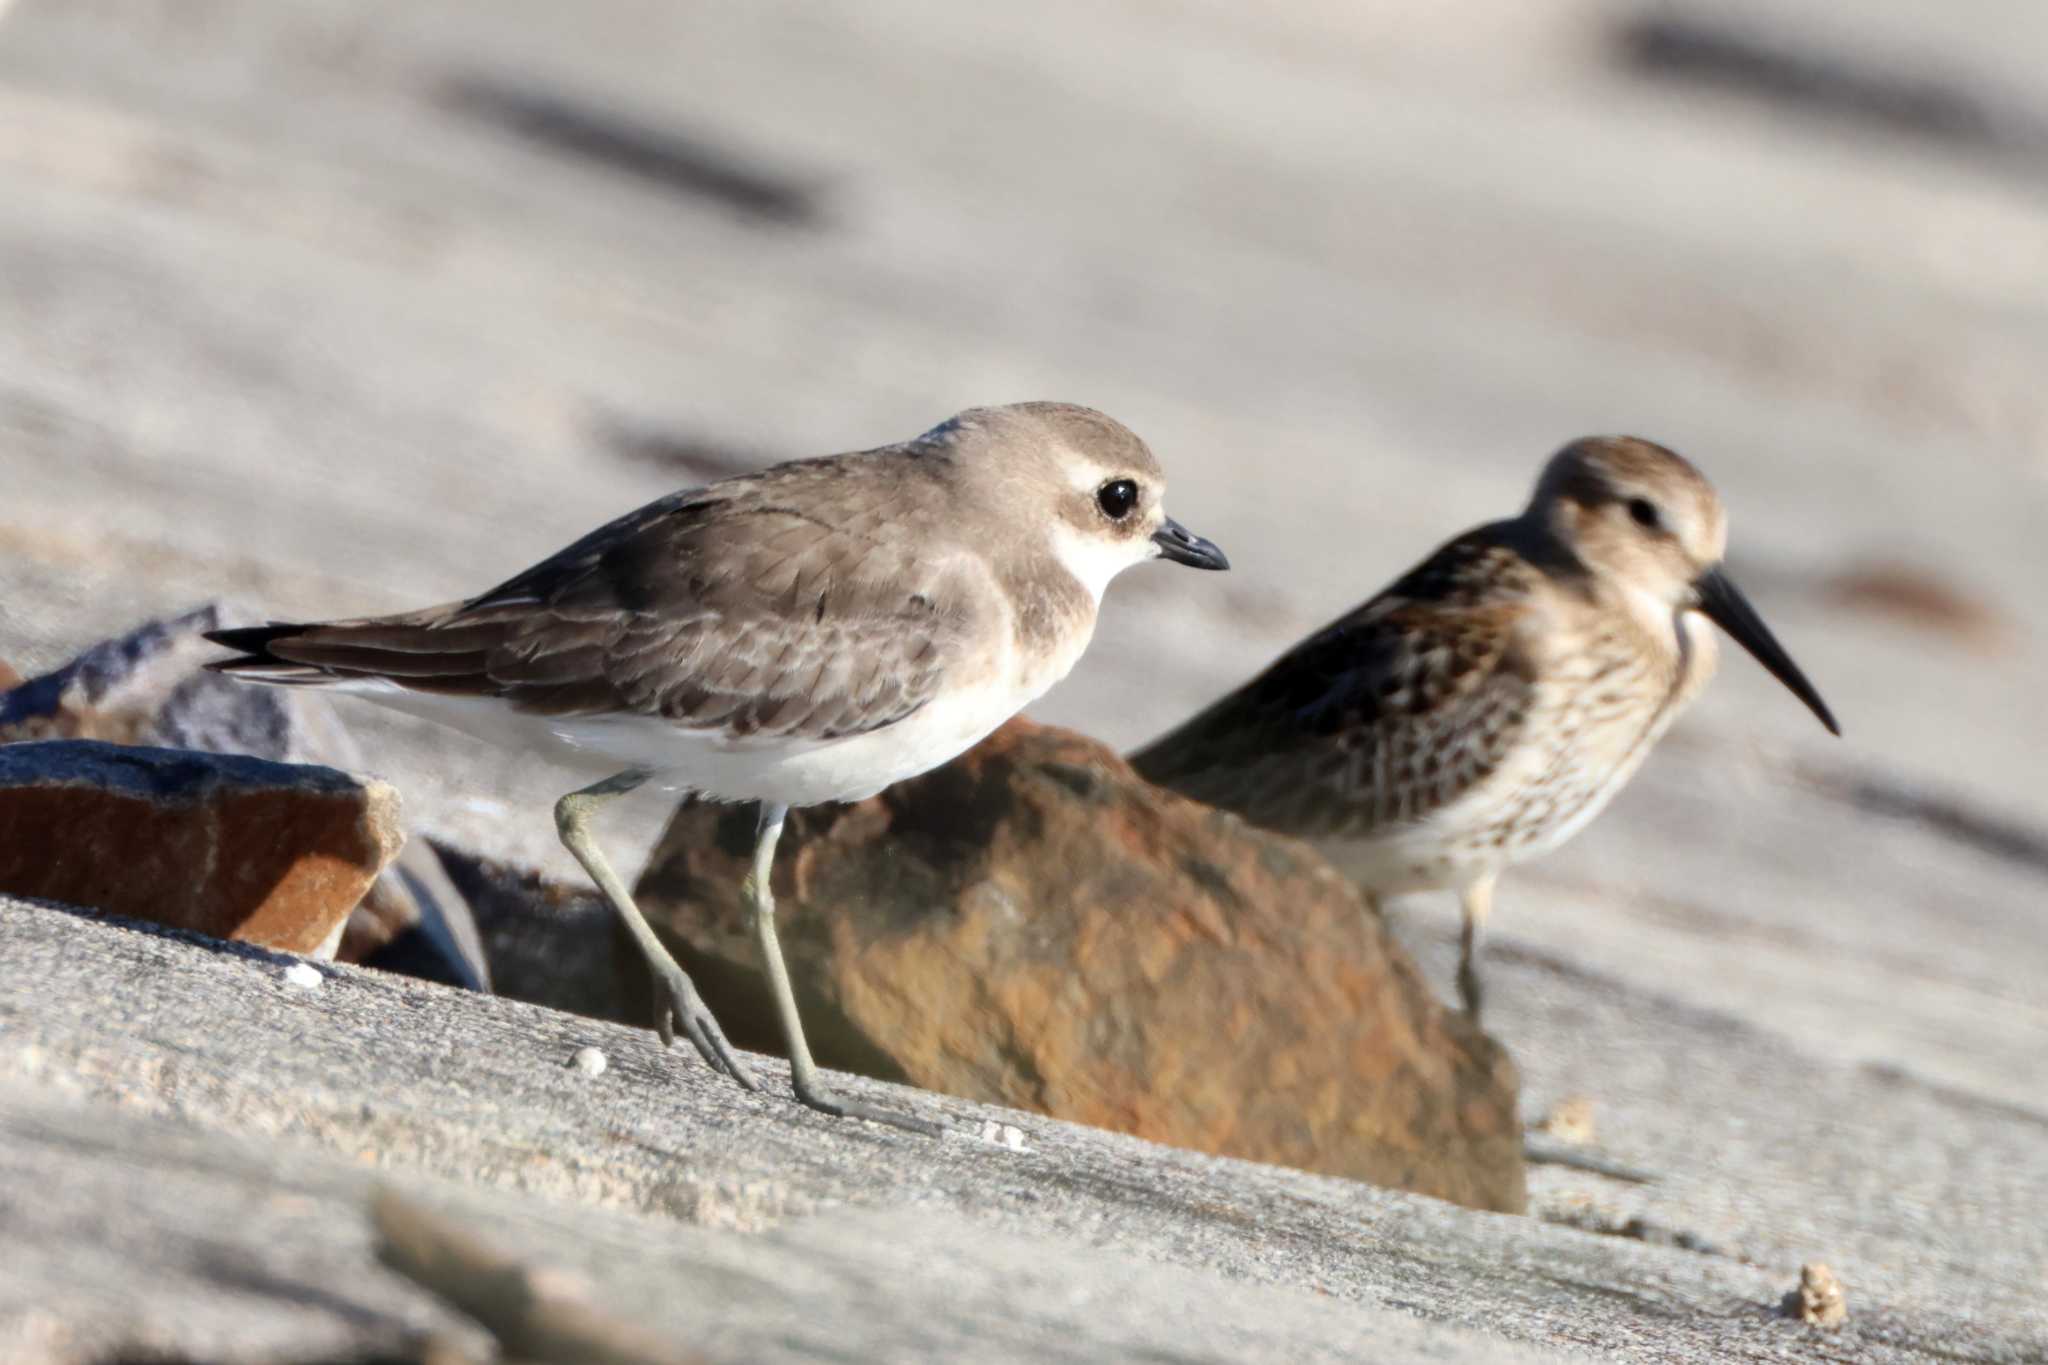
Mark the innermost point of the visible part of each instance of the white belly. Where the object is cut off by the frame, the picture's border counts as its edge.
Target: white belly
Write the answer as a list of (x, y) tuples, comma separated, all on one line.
[(793, 772), (798, 772)]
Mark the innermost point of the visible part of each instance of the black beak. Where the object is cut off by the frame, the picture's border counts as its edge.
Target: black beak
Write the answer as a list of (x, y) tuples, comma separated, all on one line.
[(1177, 543), (1727, 608)]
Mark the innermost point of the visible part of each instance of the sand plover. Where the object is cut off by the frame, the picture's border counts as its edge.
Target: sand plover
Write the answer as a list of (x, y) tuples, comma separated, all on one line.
[(810, 633), (1487, 705)]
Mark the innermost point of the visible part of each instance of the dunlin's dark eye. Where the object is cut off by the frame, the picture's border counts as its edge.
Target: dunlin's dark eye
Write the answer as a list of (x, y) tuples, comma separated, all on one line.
[(1116, 498), (1645, 513)]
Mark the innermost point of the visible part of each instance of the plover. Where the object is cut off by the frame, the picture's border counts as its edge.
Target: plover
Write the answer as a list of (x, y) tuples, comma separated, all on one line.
[(1486, 706), (810, 633)]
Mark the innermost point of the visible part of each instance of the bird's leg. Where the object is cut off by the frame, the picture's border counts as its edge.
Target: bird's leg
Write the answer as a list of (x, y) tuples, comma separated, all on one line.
[(1477, 902), (676, 1001), (803, 1072)]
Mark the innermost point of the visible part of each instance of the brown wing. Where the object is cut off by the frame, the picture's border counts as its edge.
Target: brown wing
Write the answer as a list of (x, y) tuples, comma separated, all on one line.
[(1385, 715), (720, 609)]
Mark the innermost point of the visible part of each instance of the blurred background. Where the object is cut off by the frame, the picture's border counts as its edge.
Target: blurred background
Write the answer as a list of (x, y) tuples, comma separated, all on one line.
[(347, 307)]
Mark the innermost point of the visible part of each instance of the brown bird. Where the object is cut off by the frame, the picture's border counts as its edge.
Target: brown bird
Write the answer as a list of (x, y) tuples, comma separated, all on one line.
[(810, 633), (1490, 703)]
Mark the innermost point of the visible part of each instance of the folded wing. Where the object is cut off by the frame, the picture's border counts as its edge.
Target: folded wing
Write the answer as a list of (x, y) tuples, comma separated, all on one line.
[(719, 609), (1389, 713)]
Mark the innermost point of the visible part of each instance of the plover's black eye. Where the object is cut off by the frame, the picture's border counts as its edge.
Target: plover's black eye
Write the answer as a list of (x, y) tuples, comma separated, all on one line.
[(1645, 513), (1116, 498)]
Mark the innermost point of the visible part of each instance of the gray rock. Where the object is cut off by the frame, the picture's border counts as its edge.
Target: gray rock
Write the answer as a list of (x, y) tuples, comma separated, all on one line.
[(232, 1251), (550, 942), (145, 686), (1082, 1245)]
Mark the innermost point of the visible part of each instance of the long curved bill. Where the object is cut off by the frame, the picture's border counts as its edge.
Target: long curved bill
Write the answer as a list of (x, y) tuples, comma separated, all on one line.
[(1727, 608)]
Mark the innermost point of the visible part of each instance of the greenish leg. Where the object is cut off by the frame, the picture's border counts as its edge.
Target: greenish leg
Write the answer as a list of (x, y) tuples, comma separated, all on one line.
[(676, 1001), (803, 1072), (1477, 903)]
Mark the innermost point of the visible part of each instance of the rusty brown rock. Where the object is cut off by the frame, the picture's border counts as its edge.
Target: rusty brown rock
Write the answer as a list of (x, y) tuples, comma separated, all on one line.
[(146, 687), (1036, 926), (8, 676), (238, 848)]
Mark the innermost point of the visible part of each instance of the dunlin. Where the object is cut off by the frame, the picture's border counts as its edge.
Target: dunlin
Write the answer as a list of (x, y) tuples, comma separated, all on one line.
[(1487, 705), (810, 633)]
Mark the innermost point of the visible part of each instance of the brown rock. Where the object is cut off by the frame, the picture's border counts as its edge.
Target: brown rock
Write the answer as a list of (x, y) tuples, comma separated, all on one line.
[(8, 676), (146, 687), (1034, 925), (234, 847), (1820, 1299)]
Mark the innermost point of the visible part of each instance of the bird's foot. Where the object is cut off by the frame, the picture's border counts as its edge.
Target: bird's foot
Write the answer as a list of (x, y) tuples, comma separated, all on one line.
[(678, 1006), (815, 1096)]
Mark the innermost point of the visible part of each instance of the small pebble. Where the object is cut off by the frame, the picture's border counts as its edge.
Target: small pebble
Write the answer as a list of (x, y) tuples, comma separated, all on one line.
[(1571, 1120), (588, 1060), (1820, 1299), (1006, 1135), (303, 975)]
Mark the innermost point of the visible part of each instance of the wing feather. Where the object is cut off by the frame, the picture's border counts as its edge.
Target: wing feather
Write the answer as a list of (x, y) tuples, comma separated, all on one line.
[(1387, 714), (721, 609)]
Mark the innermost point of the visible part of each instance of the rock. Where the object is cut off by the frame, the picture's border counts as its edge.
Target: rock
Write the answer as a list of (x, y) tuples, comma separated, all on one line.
[(200, 1143), (1008, 1136), (8, 676), (238, 848), (550, 943), (589, 1060), (1035, 926), (1570, 1120), (1820, 1300), (414, 922), (534, 1311), (146, 687)]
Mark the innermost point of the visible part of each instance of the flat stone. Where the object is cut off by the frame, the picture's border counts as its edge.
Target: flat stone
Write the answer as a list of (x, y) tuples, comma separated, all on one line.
[(201, 1140), (238, 848), (1033, 925), (170, 1244), (146, 686)]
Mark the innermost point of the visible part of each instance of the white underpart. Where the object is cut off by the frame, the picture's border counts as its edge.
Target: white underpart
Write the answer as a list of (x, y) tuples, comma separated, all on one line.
[(794, 772)]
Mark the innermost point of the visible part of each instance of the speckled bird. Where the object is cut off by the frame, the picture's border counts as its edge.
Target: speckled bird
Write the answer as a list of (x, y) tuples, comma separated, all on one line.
[(1484, 708)]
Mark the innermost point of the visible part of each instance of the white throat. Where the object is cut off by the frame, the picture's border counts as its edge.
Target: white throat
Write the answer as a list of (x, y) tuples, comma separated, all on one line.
[(1094, 560)]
